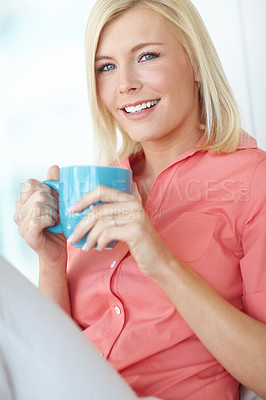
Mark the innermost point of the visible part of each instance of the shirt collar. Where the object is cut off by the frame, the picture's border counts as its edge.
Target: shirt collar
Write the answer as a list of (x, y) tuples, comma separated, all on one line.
[(246, 142)]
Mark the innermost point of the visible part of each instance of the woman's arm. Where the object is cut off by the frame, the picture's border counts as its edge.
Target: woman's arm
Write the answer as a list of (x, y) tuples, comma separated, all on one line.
[(36, 210), (236, 340), (53, 282)]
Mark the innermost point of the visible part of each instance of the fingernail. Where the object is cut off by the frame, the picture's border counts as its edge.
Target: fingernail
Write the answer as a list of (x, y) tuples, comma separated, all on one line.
[(85, 247), (71, 238), (97, 248), (71, 209)]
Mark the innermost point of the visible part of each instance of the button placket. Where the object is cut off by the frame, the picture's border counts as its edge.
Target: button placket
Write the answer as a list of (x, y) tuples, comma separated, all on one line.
[(116, 307)]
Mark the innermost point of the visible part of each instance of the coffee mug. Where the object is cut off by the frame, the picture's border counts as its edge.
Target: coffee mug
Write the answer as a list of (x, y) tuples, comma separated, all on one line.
[(75, 182)]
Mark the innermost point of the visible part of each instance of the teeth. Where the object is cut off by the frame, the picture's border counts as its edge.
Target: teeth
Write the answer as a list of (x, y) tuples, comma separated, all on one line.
[(140, 107)]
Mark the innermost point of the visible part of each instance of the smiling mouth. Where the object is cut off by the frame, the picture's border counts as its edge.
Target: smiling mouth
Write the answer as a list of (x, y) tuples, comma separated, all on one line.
[(140, 107)]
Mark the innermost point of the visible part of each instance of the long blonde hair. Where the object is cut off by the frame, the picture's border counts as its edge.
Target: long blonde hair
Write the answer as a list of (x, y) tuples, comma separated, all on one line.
[(220, 120)]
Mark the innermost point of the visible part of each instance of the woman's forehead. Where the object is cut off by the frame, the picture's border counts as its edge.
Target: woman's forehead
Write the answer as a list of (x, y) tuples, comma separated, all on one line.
[(135, 24)]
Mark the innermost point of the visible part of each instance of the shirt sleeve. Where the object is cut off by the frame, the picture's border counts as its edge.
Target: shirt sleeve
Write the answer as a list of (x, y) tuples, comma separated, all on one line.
[(253, 263)]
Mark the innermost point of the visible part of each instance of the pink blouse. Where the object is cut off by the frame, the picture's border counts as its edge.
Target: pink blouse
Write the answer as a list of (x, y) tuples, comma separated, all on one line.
[(210, 210)]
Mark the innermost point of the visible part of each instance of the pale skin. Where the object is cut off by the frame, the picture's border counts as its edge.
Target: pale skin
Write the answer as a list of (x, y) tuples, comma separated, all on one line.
[(133, 73)]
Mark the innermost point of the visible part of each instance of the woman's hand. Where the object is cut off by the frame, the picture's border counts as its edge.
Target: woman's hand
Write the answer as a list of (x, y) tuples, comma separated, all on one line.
[(37, 209), (122, 218)]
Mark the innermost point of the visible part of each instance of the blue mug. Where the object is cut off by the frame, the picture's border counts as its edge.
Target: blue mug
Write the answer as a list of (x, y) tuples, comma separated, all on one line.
[(74, 183)]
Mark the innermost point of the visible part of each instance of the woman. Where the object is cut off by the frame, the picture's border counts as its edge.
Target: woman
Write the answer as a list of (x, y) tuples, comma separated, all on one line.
[(165, 306)]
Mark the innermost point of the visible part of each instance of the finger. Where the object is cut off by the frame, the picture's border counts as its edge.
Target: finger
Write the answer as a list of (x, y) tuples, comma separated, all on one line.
[(40, 197), (96, 232), (30, 187), (24, 216), (31, 229), (117, 232), (53, 173), (31, 206), (127, 210), (27, 215), (103, 194), (123, 211), (41, 209)]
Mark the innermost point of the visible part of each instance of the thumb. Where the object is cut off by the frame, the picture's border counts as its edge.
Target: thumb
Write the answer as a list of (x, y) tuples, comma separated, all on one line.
[(53, 173)]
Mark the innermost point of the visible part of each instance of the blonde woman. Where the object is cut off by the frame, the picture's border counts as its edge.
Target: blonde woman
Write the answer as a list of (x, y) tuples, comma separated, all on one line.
[(178, 306)]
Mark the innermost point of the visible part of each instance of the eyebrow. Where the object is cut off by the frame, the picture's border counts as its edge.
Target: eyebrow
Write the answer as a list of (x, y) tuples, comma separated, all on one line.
[(135, 48)]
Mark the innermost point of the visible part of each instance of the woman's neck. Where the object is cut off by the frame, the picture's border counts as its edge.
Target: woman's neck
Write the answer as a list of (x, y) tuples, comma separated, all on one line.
[(156, 157)]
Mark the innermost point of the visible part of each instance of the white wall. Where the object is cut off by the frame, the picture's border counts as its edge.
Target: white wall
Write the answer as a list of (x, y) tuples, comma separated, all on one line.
[(44, 115), (237, 28)]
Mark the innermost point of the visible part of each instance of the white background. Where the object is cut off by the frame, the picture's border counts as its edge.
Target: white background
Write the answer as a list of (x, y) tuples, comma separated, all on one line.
[(44, 112)]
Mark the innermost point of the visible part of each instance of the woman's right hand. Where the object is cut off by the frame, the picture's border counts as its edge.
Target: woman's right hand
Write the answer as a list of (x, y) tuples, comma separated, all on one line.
[(37, 208)]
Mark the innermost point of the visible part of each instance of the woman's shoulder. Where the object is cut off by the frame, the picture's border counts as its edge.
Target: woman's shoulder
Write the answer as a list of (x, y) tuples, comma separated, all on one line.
[(246, 158), (250, 156), (248, 147)]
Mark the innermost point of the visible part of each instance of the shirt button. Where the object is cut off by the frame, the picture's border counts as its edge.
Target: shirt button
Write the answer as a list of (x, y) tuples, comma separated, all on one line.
[(117, 310), (113, 264)]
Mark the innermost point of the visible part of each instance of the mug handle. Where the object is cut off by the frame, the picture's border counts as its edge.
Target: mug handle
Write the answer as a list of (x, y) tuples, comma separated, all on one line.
[(56, 228)]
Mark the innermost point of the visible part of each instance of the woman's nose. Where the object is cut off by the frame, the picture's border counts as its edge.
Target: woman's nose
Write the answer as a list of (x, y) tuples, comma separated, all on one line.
[(129, 80)]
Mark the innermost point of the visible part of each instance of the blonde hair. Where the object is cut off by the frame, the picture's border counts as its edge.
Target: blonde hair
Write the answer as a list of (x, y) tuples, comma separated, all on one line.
[(220, 120)]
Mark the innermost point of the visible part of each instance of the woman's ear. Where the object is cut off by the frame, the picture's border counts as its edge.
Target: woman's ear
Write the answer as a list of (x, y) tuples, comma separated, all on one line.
[(197, 77)]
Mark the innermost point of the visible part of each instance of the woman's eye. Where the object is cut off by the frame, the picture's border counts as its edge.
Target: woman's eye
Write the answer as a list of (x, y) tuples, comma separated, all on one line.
[(106, 67), (148, 56)]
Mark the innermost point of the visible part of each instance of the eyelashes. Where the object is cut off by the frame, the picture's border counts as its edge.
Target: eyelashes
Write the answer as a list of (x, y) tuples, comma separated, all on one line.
[(147, 56), (105, 67)]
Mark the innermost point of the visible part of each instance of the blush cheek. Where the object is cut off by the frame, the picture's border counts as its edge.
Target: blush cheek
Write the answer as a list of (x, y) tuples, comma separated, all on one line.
[(155, 79), (163, 79)]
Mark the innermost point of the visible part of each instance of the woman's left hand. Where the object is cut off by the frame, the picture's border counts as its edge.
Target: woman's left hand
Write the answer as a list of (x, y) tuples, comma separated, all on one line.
[(123, 218)]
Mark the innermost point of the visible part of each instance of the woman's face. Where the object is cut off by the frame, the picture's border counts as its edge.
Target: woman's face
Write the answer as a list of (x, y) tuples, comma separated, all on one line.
[(144, 77)]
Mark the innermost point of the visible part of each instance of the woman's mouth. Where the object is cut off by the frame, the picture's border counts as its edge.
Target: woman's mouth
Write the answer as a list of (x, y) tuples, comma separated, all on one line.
[(141, 107)]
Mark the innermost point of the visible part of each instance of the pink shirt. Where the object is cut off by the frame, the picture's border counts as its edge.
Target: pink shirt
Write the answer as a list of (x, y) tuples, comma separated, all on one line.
[(211, 211)]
